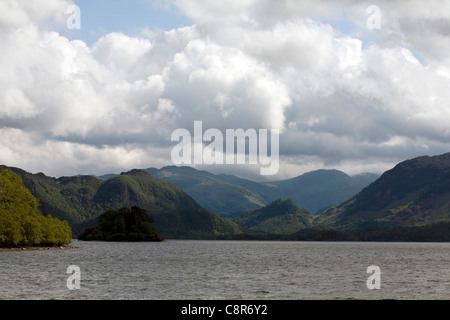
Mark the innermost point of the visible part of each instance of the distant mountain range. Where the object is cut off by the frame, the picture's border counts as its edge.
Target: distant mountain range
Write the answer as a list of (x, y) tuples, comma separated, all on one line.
[(229, 196), (212, 192), (185, 202)]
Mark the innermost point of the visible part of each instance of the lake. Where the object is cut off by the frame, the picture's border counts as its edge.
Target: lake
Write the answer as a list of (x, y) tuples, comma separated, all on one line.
[(228, 270)]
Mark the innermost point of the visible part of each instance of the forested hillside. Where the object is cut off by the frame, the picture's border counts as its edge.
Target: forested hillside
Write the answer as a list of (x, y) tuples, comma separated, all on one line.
[(82, 199), (21, 222)]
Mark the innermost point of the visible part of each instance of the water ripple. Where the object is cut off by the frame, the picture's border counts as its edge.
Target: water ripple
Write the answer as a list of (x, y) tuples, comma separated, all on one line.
[(231, 270)]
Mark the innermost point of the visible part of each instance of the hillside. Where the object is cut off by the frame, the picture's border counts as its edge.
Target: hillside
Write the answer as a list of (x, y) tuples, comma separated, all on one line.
[(318, 190), (209, 190), (81, 199), (66, 198), (229, 195), (21, 222), (279, 217), (137, 187), (415, 192)]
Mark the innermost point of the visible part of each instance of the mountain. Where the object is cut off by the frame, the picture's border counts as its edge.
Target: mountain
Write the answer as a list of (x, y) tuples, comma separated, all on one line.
[(279, 217), (229, 195), (415, 192), (365, 178), (211, 191), (175, 213), (318, 190), (138, 187), (80, 200)]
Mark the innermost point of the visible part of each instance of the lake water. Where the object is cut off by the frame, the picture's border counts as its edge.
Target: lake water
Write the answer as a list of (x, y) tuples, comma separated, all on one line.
[(228, 270)]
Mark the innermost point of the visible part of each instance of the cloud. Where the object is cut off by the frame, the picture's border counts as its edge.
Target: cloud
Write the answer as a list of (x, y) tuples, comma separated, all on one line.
[(342, 95), (122, 54), (224, 87), (17, 14)]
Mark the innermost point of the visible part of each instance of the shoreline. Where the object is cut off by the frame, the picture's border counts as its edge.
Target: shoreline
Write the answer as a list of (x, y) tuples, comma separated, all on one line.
[(38, 248)]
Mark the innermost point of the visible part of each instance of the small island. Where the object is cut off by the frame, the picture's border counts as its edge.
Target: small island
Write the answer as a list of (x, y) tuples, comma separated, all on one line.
[(123, 225)]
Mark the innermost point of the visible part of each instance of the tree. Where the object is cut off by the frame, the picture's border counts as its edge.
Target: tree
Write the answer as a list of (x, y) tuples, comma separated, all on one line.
[(123, 225), (21, 222)]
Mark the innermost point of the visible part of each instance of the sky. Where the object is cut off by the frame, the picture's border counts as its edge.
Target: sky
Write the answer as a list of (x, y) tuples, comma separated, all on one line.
[(350, 85)]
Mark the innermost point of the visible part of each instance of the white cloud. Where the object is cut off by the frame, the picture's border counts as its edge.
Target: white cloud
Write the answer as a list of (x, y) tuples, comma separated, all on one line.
[(15, 104), (122, 54), (17, 14), (361, 98)]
